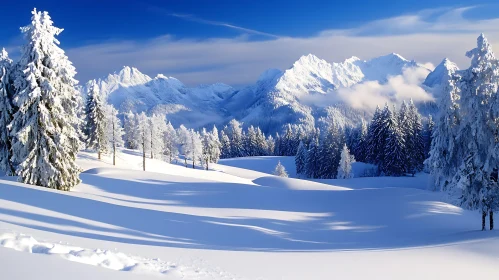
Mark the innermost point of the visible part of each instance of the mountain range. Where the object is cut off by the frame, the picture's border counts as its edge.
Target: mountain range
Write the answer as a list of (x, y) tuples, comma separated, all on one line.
[(277, 97)]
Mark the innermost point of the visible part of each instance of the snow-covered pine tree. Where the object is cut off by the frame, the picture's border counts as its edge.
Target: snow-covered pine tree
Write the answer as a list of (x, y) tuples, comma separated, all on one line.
[(414, 143), (157, 128), (300, 158), (250, 142), (144, 134), (427, 136), (394, 153), (345, 164), (270, 145), (280, 170), (170, 140), (214, 145), (312, 163), (261, 143), (114, 131), (95, 128), (45, 139), (184, 138), (330, 152), (225, 145), (375, 141), (360, 146), (234, 132), (478, 131), (6, 112), (131, 131), (446, 152)]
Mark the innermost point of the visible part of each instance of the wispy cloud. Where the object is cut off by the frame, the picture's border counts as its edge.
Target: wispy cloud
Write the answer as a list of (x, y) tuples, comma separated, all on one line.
[(194, 18), (426, 36)]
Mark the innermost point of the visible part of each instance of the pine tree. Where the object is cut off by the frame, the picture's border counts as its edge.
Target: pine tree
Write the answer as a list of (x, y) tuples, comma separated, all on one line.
[(360, 145), (345, 164), (446, 153), (478, 131), (414, 143), (184, 138), (280, 170), (330, 152), (95, 129), (394, 153), (44, 129), (300, 158), (225, 145), (312, 162), (270, 146), (6, 112), (375, 138), (114, 130), (427, 136), (170, 140), (194, 150)]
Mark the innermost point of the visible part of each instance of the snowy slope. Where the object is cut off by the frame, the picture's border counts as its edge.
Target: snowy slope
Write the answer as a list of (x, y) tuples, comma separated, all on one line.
[(275, 99), (180, 223)]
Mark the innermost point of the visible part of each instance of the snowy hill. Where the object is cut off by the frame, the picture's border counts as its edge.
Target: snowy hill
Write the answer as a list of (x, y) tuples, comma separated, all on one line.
[(235, 223), (275, 99)]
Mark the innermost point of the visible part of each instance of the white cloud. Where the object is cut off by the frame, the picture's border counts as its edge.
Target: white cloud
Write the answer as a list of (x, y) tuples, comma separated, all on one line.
[(427, 36)]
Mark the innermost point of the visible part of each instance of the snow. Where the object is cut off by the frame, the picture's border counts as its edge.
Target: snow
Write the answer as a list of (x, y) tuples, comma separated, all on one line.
[(174, 222), (441, 72)]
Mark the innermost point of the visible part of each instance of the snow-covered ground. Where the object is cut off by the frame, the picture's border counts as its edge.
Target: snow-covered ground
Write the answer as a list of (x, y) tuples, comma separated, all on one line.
[(236, 222)]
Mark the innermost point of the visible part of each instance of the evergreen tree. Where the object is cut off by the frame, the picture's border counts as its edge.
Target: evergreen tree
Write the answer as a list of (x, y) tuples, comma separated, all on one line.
[(330, 152), (225, 145), (375, 139), (115, 131), (345, 164), (235, 135), (312, 163), (478, 132), (170, 141), (427, 136), (6, 112), (394, 153), (184, 138), (95, 129), (270, 146), (414, 143), (45, 138), (280, 170), (300, 158), (360, 145)]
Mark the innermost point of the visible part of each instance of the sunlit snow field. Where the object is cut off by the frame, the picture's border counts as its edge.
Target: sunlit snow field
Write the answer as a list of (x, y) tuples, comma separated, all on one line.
[(236, 222)]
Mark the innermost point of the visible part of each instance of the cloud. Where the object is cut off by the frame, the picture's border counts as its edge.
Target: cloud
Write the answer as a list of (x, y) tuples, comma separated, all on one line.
[(367, 95), (427, 36)]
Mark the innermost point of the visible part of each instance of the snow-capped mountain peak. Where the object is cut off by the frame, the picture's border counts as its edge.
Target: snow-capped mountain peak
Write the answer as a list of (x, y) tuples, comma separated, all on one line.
[(131, 76), (443, 71)]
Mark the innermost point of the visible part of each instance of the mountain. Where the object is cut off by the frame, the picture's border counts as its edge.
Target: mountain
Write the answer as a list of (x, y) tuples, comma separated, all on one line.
[(444, 70), (131, 90), (275, 99)]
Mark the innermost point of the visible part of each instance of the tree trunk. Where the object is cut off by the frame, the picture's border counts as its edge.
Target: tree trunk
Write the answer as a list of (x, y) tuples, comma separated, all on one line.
[(152, 156), (114, 154), (98, 154), (185, 161), (491, 217), (144, 156), (192, 162), (484, 214)]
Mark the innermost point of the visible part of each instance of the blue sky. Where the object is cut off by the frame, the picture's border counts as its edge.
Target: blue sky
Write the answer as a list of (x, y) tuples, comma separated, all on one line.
[(233, 41)]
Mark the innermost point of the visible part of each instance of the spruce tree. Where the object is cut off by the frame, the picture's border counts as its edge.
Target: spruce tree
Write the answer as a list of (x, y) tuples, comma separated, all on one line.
[(312, 163), (95, 128), (45, 138), (280, 170), (345, 164), (300, 158), (6, 112), (394, 152)]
